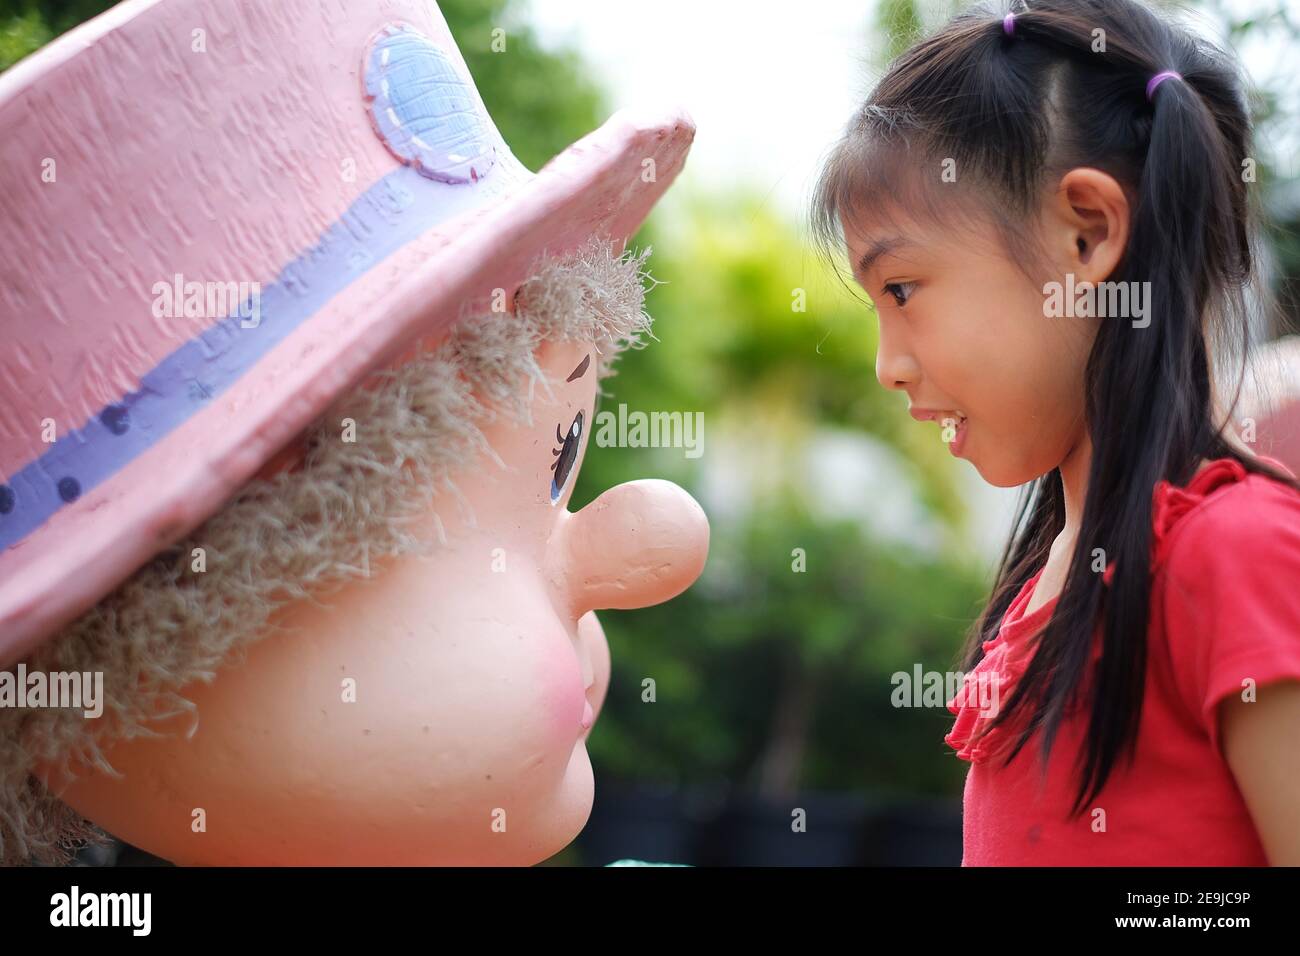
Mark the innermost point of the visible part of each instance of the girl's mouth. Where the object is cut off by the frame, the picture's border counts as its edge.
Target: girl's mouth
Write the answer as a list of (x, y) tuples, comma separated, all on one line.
[(954, 432)]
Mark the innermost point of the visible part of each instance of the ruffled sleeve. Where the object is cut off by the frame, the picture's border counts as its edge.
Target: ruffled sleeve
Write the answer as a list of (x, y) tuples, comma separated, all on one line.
[(1231, 588), (1171, 503)]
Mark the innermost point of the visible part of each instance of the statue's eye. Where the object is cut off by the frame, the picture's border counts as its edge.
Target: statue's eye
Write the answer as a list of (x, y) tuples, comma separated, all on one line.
[(565, 456)]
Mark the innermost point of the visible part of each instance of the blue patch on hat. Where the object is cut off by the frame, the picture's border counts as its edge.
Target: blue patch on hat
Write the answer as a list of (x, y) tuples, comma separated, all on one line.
[(424, 110)]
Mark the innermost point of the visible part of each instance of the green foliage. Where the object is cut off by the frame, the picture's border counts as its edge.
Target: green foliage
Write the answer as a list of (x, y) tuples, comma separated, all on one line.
[(781, 677), (27, 25), (20, 34)]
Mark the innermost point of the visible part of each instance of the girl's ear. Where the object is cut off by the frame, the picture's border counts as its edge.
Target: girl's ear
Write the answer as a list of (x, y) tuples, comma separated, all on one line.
[(1089, 220)]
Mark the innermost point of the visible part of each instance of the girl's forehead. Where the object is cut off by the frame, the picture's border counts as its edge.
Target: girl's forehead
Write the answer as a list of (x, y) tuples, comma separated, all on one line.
[(870, 239), (871, 234)]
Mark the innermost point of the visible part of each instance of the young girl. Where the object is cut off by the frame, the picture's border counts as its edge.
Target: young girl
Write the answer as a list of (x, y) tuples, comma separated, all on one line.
[(1143, 636)]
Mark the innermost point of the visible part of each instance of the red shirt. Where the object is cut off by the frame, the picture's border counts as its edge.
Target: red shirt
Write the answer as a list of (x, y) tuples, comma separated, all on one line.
[(1225, 608)]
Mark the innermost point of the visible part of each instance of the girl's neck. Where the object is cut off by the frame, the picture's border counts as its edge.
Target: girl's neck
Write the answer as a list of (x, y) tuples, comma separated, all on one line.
[(1074, 485)]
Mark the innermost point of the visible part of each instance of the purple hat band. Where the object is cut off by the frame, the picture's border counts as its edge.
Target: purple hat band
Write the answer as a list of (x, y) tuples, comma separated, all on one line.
[(1160, 78)]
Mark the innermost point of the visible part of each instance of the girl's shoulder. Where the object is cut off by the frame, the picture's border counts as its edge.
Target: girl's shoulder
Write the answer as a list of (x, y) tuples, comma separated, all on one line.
[(1223, 516)]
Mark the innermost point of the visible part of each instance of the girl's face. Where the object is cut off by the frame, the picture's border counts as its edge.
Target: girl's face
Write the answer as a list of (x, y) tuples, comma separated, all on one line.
[(963, 331)]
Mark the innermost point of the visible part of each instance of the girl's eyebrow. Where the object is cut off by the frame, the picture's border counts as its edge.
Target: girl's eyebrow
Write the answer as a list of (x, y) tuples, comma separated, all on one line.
[(580, 370), (877, 249)]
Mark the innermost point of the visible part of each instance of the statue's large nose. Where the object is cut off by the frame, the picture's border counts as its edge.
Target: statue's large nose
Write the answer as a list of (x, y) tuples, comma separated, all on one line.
[(638, 544)]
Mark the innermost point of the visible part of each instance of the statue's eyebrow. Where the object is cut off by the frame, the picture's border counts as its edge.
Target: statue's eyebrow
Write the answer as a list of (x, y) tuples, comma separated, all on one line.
[(580, 370)]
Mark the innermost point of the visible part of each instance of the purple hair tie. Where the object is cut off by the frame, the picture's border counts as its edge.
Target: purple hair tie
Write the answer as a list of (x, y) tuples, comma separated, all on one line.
[(1159, 78), (1009, 24)]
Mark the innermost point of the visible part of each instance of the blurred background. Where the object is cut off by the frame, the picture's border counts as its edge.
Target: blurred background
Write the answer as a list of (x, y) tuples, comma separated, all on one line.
[(848, 546)]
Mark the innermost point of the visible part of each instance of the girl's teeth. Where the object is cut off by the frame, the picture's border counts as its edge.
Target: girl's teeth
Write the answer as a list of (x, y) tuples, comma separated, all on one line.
[(949, 433)]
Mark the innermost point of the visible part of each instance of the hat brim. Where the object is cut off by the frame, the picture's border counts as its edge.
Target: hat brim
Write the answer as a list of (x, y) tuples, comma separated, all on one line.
[(88, 546)]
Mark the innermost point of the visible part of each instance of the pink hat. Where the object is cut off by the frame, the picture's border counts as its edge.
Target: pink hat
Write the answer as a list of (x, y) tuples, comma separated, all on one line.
[(217, 219)]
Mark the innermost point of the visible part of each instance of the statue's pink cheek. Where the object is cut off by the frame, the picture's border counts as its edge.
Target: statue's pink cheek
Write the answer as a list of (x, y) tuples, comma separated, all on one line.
[(562, 700)]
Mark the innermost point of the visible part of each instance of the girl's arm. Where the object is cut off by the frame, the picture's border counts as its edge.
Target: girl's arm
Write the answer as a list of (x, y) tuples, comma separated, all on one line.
[(1261, 742)]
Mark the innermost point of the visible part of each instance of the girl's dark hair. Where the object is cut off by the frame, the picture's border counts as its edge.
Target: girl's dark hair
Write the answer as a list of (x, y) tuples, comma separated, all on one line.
[(1010, 110)]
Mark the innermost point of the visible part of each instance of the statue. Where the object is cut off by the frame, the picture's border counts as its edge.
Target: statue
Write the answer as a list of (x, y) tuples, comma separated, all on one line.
[(301, 373)]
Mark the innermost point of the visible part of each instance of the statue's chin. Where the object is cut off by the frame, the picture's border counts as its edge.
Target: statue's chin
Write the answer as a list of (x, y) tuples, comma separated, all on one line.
[(340, 827)]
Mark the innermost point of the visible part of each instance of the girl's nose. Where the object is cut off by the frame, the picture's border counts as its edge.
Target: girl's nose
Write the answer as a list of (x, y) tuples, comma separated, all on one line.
[(638, 544), (895, 366)]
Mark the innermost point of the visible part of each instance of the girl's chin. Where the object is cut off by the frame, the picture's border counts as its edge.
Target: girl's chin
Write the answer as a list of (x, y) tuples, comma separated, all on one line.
[(1000, 471)]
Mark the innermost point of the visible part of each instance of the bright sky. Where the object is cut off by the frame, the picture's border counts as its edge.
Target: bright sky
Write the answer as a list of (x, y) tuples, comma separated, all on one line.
[(769, 83)]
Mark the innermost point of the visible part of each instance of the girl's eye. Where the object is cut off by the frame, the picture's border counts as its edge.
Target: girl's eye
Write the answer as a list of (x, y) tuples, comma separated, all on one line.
[(901, 291), (565, 456)]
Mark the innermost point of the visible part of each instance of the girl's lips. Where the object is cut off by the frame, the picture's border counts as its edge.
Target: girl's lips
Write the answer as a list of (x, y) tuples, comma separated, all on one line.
[(959, 440), (946, 418), (931, 414)]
